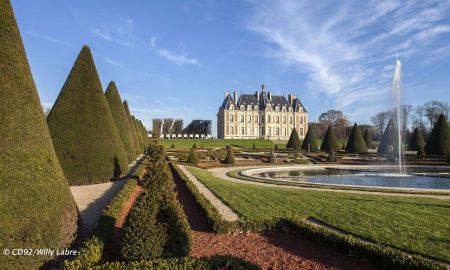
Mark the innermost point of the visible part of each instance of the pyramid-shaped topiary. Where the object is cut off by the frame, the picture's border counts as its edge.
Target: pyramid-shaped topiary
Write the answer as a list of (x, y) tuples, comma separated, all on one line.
[(329, 141), (36, 207), (133, 129), (439, 141), (120, 119), (416, 141), (356, 143), (388, 138), (294, 140), (85, 137), (193, 159), (310, 139), (229, 159), (144, 132), (368, 138), (138, 133)]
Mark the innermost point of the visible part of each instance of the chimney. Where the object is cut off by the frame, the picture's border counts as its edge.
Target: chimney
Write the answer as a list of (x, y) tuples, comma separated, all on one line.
[(291, 98), (227, 94), (235, 96), (270, 95), (257, 95)]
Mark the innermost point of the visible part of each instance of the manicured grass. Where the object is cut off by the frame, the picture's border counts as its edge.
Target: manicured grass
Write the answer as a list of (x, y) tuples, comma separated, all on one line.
[(417, 225), (222, 143)]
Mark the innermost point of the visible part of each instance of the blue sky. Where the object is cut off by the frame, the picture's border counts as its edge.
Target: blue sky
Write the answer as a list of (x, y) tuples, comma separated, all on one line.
[(177, 58)]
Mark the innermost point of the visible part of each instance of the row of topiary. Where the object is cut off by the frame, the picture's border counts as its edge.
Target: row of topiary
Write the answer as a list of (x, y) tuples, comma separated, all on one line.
[(383, 257), (156, 225)]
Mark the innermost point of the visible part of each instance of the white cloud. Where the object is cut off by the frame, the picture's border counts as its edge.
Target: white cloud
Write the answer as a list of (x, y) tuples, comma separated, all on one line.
[(178, 59), (120, 32), (345, 47), (114, 63)]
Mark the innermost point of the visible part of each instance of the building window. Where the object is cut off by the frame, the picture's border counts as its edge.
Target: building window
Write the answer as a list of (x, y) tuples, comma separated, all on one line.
[(242, 119), (283, 109), (262, 119), (242, 107), (231, 107), (242, 130), (249, 108), (231, 118), (256, 119), (301, 131), (301, 120), (278, 119), (232, 130), (284, 131), (249, 118), (269, 118), (278, 131), (290, 120)]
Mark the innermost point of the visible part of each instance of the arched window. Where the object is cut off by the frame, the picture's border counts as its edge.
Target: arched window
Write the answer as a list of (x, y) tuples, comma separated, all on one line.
[(242, 119), (284, 131), (242, 130), (256, 108), (301, 131), (232, 130), (249, 108), (256, 119), (231, 118), (278, 131), (290, 120), (277, 108), (231, 107), (301, 120), (263, 119), (269, 118), (278, 119), (242, 107), (249, 118)]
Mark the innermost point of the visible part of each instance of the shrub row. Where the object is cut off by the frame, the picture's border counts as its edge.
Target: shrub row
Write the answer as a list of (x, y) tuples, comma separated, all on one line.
[(156, 226), (383, 257), (92, 249), (185, 263)]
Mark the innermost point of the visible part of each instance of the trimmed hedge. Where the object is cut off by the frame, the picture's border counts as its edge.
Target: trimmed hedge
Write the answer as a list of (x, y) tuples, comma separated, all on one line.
[(185, 263), (416, 142), (156, 226), (138, 133), (329, 141), (37, 209), (294, 140), (132, 128), (310, 140), (388, 139), (356, 143), (192, 159), (439, 141), (229, 159), (84, 135), (120, 120), (383, 257), (368, 139)]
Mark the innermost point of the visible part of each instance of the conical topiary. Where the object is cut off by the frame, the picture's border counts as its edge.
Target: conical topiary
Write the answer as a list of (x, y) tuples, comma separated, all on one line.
[(172, 145), (144, 132), (37, 208), (276, 148), (356, 143), (387, 139), (194, 146), (254, 147), (85, 137), (368, 138), (229, 159), (272, 157), (310, 140), (193, 159), (294, 140), (329, 141), (133, 129), (120, 119), (416, 141), (138, 133), (439, 141)]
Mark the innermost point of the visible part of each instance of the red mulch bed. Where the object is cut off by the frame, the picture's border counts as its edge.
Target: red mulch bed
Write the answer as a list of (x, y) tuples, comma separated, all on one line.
[(269, 250)]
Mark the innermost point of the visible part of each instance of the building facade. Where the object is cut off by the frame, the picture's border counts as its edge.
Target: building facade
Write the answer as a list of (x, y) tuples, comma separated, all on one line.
[(261, 115)]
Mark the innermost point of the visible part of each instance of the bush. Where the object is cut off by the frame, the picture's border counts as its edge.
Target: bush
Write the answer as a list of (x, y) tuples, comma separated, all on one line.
[(120, 120), (388, 138), (132, 128), (138, 134), (194, 146), (329, 141), (439, 141), (356, 143), (294, 140), (89, 149), (229, 159), (416, 141), (310, 141), (172, 145), (254, 147), (193, 159), (276, 148), (272, 157), (37, 208), (368, 138)]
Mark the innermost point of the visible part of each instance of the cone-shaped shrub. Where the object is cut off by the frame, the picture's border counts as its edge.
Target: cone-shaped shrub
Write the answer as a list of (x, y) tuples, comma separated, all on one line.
[(387, 139), (138, 133), (368, 138), (229, 159), (356, 143), (120, 119), (194, 146), (329, 141), (144, 132), (276, 148), (310, 139), (172, 145), (294, 140), (272, 156), (193, 159), (416, 141), (439, 141), (85, 137), (133, 129), (254, 147), (36, 207)]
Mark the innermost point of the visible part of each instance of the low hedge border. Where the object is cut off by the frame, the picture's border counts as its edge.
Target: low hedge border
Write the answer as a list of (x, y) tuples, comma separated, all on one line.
[(381, 256), (236, 174), (184, 263), (91, 250)]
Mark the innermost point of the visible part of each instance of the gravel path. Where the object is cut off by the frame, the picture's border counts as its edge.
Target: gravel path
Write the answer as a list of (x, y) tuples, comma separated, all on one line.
[(226, 212), (269, 250), (92, 199), (222, 174)]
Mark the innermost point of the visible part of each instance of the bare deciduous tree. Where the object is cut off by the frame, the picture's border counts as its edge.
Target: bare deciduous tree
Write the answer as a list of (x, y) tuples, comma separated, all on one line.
[(177, 126), (432, 110), (157, 123), (167, 125), (380, 121), (337, 119)]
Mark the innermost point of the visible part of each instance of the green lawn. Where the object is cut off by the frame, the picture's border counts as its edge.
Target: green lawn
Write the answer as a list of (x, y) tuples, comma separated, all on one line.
[(414, 224), (222, 143)]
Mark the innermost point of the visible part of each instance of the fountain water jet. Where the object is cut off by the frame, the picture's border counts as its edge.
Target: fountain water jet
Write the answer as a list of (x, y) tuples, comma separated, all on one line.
[(397, 92)]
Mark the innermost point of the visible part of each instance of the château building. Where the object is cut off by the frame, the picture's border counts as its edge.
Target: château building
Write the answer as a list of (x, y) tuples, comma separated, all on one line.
[(261, 115)]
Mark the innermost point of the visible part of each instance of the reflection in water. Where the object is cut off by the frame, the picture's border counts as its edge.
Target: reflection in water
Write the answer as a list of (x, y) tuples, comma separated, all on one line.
[(436, 179)]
